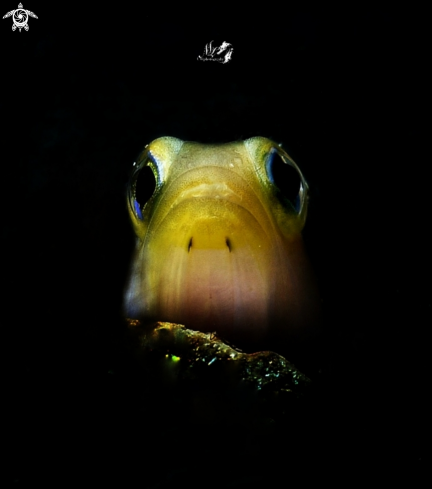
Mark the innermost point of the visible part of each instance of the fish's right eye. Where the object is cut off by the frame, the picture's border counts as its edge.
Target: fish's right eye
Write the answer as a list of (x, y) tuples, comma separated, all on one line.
[(286, 178)]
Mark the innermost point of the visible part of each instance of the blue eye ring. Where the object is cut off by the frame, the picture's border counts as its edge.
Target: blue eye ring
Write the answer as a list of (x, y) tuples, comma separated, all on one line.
[(138, 210)]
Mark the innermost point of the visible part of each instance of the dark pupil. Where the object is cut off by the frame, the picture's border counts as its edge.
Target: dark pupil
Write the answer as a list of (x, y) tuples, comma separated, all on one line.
[(286, 179), (145, 185)]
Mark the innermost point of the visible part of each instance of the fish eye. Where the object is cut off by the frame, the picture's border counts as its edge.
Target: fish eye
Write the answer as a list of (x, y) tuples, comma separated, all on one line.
[(142, 186), (285, 178)]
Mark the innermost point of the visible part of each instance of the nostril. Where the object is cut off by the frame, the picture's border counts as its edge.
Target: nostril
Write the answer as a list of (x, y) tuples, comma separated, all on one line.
[(208, 241)]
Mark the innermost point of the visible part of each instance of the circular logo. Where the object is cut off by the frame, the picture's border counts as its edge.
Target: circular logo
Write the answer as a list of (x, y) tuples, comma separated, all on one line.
[(20, 17)]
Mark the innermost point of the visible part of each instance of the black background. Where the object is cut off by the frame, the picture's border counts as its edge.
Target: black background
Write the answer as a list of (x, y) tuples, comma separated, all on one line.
[(82, 92)]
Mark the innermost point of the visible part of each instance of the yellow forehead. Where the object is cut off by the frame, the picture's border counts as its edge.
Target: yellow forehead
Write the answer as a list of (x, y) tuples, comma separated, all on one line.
[(173, 157)]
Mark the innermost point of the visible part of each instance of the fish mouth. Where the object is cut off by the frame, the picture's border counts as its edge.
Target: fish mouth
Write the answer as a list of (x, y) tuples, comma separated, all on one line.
[(211, 273)]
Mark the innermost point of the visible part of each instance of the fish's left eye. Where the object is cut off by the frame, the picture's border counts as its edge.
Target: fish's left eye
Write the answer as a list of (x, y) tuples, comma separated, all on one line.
[(141, 187), (285, 177)]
